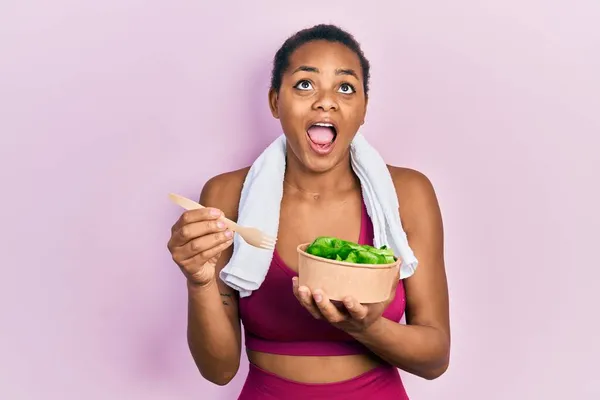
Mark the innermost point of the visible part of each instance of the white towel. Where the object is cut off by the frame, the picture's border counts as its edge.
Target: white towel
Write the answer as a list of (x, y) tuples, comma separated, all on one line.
[(260, 204)]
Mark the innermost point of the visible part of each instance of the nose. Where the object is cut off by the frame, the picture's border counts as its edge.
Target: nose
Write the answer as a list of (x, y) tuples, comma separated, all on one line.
[(325, 101)]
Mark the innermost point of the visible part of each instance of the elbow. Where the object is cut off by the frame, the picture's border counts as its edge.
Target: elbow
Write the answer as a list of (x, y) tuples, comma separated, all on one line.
[(220, 381), (435, 373), (441, 364), (220, 378), (436, 370), (218, 368), (218, 372)]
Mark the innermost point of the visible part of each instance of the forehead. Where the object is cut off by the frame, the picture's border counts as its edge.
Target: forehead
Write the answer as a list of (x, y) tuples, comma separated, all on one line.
[(325, 55)]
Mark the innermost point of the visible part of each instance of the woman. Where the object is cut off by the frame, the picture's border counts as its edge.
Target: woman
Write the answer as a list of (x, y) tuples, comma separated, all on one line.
[(320, 75)]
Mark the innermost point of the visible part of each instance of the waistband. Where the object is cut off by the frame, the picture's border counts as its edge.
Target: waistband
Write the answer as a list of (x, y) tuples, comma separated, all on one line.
[(382, 383)]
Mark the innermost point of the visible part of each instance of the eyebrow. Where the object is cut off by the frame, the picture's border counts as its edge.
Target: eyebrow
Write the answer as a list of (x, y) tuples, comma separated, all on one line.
[(339, 71)]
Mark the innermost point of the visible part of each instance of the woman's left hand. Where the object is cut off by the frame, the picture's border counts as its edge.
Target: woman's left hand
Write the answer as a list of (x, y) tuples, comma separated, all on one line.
[(348, 315)]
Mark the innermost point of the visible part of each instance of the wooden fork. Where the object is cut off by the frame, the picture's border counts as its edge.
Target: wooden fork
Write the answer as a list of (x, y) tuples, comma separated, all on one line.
[(252, 236)]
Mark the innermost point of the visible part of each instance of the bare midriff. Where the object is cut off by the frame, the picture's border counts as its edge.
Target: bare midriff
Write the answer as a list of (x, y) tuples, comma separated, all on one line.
[(314, 369)]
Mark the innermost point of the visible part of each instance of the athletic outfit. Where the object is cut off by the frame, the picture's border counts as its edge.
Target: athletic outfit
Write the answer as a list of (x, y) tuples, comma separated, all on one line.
[(275, 322)]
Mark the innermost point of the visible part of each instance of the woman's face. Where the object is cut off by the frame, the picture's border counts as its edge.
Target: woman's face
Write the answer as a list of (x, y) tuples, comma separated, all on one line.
[(321, 103)]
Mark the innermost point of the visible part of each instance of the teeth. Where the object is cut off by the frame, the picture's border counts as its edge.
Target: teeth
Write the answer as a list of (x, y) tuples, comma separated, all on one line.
[(326, 125)]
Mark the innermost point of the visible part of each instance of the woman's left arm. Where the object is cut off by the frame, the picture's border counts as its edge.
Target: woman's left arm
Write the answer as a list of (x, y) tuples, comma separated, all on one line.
[(422, 346)]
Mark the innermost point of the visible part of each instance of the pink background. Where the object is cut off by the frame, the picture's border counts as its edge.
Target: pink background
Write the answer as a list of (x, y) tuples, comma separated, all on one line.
[(106, 106)]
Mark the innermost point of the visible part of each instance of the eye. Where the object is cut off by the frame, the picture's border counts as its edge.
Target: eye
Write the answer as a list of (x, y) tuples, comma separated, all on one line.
[(303, 85), (346, 88)]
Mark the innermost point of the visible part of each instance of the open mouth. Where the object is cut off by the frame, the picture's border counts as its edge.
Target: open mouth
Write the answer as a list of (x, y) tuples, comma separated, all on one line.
[(322, 135)]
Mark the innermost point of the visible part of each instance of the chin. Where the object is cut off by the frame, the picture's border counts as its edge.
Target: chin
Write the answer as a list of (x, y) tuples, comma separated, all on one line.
[(320, 163), (319, 166)]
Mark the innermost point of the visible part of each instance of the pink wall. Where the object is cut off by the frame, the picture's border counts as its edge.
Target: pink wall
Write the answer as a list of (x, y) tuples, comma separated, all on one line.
[(106, 106)]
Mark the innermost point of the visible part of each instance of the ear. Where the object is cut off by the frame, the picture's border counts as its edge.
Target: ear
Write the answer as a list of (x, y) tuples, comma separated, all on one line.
[(273, 97)]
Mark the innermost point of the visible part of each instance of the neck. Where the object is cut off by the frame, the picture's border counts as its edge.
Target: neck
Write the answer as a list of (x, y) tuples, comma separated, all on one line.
[(340, 179)]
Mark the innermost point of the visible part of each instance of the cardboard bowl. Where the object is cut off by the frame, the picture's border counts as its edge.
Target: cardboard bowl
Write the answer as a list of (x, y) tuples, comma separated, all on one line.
[(367, 283)]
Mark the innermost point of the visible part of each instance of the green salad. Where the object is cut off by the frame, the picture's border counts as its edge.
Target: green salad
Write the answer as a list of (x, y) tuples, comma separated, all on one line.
[(342, 250)]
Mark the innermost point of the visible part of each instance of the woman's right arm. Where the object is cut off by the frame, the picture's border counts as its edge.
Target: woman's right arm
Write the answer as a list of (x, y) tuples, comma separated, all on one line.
[(202, 249), (214, 334)]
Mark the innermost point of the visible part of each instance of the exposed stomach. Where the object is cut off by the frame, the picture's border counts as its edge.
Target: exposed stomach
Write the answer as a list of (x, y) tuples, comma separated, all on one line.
[(314, 369)]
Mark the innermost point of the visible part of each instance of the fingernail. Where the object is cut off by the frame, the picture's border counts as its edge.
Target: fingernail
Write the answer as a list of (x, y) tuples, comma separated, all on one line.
[(221, 224), (318, 297), (349, 305), (294, 282), (228, 234), (215, 212)]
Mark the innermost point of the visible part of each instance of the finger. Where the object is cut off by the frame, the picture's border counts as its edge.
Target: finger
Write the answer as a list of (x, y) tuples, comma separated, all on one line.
[(305, 298), (212, 252), (326, 307), (356, 310), (295, 289), (196, 230), (191, 216), (202, 245)]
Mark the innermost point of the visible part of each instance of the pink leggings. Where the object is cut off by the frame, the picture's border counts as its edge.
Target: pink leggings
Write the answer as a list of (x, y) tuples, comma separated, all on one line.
[(381, 383)]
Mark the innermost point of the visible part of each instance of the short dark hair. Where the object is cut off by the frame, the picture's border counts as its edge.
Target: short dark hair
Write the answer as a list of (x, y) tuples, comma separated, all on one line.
[(330, 33)]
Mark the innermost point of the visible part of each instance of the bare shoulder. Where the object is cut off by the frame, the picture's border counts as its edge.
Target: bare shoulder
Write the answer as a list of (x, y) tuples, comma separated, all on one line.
[(223, 191), (410, 182), (416, 194)]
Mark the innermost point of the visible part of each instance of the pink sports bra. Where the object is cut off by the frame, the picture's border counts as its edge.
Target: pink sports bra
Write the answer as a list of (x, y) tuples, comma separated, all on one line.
[(275, 322)]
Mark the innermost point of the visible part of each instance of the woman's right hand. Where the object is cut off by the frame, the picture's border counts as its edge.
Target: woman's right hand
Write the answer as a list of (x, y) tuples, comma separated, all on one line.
[(197, 240)]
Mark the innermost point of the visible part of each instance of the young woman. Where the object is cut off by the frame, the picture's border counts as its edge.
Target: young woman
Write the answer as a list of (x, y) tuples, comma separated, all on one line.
[(299, 344)]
